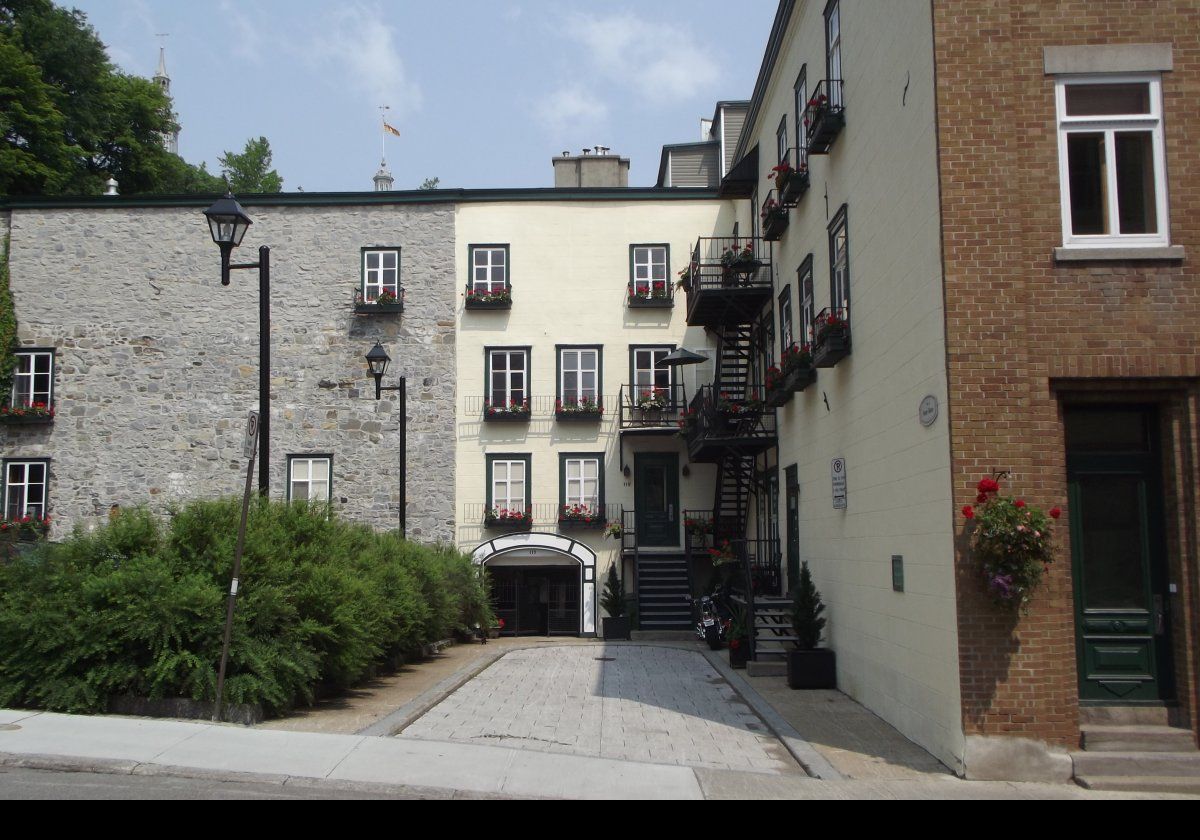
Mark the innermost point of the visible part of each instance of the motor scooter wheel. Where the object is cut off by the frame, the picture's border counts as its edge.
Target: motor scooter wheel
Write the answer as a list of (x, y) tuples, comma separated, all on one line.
[(712, 635)]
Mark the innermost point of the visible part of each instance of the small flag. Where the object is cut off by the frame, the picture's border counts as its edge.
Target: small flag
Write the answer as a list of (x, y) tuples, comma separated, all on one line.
[(389, 129)]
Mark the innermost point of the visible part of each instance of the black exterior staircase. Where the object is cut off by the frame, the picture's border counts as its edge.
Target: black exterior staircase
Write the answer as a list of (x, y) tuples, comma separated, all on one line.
[(664, 591)]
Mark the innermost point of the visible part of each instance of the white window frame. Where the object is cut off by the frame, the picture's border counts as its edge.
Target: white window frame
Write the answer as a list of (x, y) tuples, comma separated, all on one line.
[(382, 276), (22, 486), (29, 379), (787, 326), (808, 300), (655, 373), (308, 462), (650, 267), (781, 140), (496, 272), (575, 488), (509, 373), (506, 500), (580, 368), (839, 264), (833, 52), (1110, 125)]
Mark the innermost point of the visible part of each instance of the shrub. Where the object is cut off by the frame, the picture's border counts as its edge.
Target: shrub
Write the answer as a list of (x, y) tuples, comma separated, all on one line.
[(137, 607)]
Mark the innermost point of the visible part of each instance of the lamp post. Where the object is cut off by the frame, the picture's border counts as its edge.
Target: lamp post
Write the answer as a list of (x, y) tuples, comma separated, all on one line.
[(377, 362), (228, 223)]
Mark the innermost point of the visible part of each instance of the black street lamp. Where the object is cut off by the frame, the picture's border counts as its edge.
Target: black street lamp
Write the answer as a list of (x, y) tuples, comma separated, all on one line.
[(228, 223), (377, 362)]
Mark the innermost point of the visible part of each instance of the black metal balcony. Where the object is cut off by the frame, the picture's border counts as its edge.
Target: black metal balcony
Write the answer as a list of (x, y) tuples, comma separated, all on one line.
[(516, 409), (791, 176), (825, 116), (719, 421), (728, 281), (651, 409), (831, 337), (543, 516)]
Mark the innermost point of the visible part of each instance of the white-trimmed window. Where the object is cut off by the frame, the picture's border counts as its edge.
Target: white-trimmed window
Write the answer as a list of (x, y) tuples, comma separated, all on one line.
[(648, 377), (781, 141), (25, 489), (839, 264), (489, 268), (509, 483), (33, 379), (1112, 170), (581, 482), (808, 303), (649, 269), (381, 272), (508, 377), (579, 374), (787, 336), (310, 478), (800, 92), (833, 51)]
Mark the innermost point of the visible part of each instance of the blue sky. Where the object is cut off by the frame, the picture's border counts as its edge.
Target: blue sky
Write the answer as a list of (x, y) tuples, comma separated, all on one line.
[(484, 94)]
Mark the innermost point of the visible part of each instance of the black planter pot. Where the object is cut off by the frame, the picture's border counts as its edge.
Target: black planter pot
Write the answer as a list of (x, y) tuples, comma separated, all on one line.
[(651, 303), (812, 669), (579, 416), (489, 304), (774, 226), (616, 629), (794, 189), (740, 655), (27, 420), (794, 382)]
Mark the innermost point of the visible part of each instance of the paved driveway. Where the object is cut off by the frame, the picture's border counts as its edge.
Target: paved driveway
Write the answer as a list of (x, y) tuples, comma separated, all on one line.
[(638, 703)]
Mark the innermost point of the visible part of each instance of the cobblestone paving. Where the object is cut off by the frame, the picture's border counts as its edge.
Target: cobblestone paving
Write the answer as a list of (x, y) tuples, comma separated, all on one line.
[(655, 704)]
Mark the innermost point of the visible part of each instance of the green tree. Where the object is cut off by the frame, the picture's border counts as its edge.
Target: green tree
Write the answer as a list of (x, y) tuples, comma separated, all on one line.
[(430, 184), (69, 119), (250, 171)]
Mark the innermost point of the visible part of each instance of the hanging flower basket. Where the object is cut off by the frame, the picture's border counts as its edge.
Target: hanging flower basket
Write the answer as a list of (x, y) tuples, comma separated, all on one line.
[(1011, 542), (582, 409), (516, 411), (385, 303), (488, 300), (34, 414), (581, 516)]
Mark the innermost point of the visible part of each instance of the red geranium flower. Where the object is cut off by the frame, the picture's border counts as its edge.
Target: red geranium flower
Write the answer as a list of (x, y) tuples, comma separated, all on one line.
[(1020, 503), (988, 485), (968, 512), (1055, 512)]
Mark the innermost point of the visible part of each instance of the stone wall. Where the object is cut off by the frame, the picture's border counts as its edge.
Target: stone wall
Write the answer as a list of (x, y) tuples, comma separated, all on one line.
[(157, 363)]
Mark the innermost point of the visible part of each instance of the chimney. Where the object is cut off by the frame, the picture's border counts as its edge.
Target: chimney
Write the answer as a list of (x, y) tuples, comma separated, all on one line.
[(705, 130), (595, 167)]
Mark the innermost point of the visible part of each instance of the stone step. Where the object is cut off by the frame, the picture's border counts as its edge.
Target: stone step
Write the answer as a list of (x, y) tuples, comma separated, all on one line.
[(1126, 715), (770, 668), (1100, 738), (1142, 784), (665, 635), (1137, 764)]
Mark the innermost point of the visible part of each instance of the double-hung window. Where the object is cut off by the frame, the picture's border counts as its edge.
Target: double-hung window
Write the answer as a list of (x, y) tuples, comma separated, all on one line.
[(649, 379), (579, 376), (808, 307), (33, 379), (508, 377), (839, 265), (310, 478), (781, 141), (1112, 170), (648, 270), (25, 489), (833, 52), (508, 483), (489, 268), (787, 335), (380, 273), (801, 93), (582, 484)]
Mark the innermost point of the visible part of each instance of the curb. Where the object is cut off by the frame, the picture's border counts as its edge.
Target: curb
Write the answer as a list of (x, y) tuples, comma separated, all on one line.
[(806, 755), (116, 767)]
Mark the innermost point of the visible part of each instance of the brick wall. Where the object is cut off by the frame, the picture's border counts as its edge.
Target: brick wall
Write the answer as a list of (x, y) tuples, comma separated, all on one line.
[(1020, 325)]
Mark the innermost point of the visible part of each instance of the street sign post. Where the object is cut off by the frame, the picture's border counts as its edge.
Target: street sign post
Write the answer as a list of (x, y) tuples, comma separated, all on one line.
[(250, 450), (838, 471)]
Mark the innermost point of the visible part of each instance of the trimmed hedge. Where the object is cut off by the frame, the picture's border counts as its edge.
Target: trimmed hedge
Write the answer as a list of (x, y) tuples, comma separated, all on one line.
[(137, 608)]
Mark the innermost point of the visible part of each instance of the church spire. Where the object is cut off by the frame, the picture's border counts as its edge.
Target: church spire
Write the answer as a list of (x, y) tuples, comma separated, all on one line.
[(170, 138)]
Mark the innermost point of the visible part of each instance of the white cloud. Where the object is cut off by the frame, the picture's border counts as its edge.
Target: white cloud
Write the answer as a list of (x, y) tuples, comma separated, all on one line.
[(570, 110), (364, 47), (245, 31), (660, 61)]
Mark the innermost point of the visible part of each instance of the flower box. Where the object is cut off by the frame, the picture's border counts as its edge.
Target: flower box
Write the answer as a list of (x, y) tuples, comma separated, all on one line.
[(566, 414), (593, 523), (794, 187), (779, 392), (774, 224), (514, 413), (823, 120), (660, 301), (831, 347), (25, 529), (385, 304), (488, 300), (508, 520), (27, 419)]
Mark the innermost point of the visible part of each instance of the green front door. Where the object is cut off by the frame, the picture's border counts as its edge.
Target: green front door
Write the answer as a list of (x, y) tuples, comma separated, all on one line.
[(792, 479), (1117, 554), (656, 499)]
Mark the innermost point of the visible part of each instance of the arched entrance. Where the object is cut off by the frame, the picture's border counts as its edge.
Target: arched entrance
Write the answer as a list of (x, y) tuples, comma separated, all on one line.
[(543, 584)]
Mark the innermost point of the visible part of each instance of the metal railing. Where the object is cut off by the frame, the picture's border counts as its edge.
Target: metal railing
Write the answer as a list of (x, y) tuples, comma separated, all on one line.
[(824, 115), (737, 412), (773, 217), (545, 515), (651, 406), (760, 563), (539, 407), (725, 262), (794, 183)]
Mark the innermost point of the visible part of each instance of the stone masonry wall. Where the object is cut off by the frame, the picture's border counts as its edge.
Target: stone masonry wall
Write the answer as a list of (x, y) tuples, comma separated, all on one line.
[(157, 363), (1025, 333)]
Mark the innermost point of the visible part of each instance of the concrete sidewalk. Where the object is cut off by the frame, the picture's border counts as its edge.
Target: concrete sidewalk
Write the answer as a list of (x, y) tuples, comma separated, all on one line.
[(432, 769)]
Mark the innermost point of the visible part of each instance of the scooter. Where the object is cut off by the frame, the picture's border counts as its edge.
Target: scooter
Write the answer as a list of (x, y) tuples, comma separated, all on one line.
[(711, 626)]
